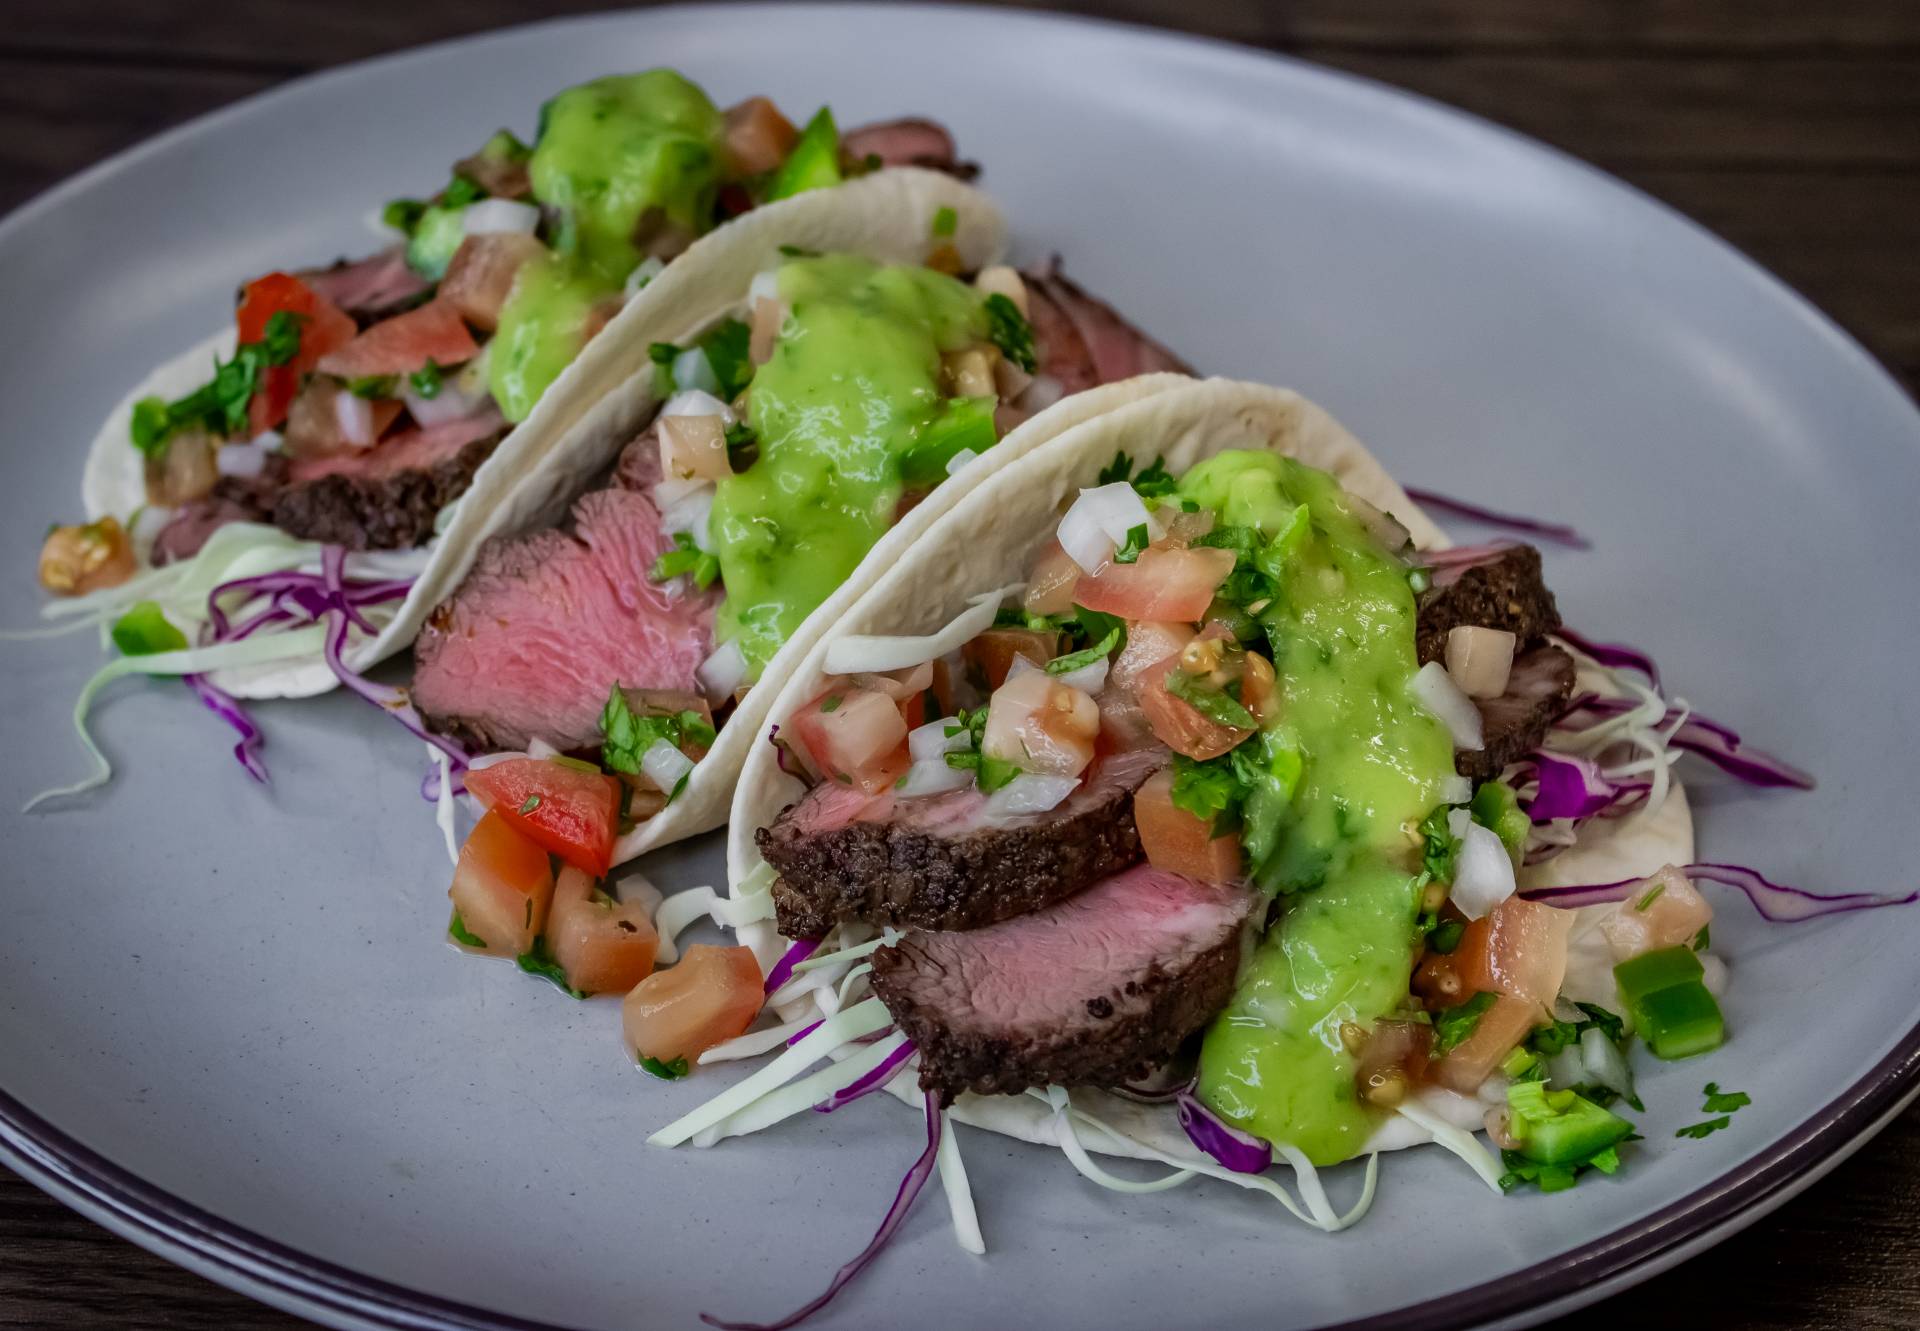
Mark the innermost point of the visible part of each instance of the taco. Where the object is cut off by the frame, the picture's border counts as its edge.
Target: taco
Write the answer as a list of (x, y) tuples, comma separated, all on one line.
[(1184, 795), (385, 406)]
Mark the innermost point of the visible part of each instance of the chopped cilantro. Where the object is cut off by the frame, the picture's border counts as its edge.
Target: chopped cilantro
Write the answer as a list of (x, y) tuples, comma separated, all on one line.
[(460, 192), (1153, 482), (427, 380), (665, 1071), (457, 930), (742, 445), (1445, 936), (373, 385), (403, 214), (1611, 1024), (1705, 1129), (662, 353), (626, 735), (1455, 1024), (532, 803), (799, 252), (1212, 703), (945, 221), (686, 557), (1724, 1102), (1011, 332), (539, 961), (729, 353), (219, 406), (832, 704), (1117, 470), (1064, 665), (1650, 897), (1138, 538), (1704, 939), (1439, 846)]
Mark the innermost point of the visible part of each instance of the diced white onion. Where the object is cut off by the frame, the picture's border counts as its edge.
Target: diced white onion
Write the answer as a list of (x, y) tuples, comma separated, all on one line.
[(1435, 690), (148, 521), (861, 653), (539, 748), (451, 403), (1042, 393), (1099, 522), (499, 217), (960, 459), (1089, 679), (691, 370), (1480, 659), (1713, 974), (472, 379), (1604, 1064), (664, 765), (1482, 873), (1458, 821), (240, 460), (650, 267), (765, 286), (931, 742), (354, 415), (723, 672), (688, 513), (1455, 789), (933, 777), (697, 402), (271, 440), (1030, 792)]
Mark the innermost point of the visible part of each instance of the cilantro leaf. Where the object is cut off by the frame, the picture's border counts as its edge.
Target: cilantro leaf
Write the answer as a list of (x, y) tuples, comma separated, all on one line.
[(1138, 538), (427, 380), (728, 349), (1212, 703), (373, 385), (1445, 936), (1119, 469), (457, 930), (662, 353), (1208, 790), (1611, 1024), (1724, 1102), (1706, 1129), (1155, 482), (627, 735), (686, 557), (665, 1071), (1440, 846), (539, 961), (1454, 1025), (945, 220), (403, 214), (1072, 661), (1011, 332)]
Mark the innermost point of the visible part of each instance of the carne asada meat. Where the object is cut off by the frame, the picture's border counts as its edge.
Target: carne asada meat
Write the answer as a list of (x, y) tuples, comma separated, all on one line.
[(370, 289), (939, 862), (545, 624), (1081, 340), (1095, 990), (1514, 724), (1501, 589), (387, 497), (908, 142)]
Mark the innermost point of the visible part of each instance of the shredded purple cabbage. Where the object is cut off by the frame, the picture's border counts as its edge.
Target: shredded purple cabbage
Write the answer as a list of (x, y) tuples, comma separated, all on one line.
[(1242, 1152), (1614, 655), (803, 1033), (869, 1082), (1718, 744), (783, 969), (227, 707), (902, 1203), (783, 755), (1573, 787), (1557, 532), (1777, 902)]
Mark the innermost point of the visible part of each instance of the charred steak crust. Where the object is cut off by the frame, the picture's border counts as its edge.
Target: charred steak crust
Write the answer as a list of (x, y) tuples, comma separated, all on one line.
[(1112, 1045), (1506, 592), (392, 512), (1515, 723), (888, 873)]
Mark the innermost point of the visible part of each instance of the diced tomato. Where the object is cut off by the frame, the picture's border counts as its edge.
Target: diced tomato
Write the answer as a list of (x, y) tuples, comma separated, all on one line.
[(1499, 1029), (1391, 1061), (694, 448), (324, 328), (1178, 841), (571, 812), (993, 652), (712, 995), (183, 471), (1164, 583), (604, 946), (1148, 644), (1673, 913), (855, 736), (405, 343), (502, 887), (1178, 723), (481, 274), (312, 427), (758, 137), (1051, 584), (1041, 725)]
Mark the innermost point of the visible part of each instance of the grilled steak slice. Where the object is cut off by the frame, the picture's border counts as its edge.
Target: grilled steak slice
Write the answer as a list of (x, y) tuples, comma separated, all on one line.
[(937, 862), (388, 497), (908, 142), (1513, 724), (370, 289), (1094, 990), (1502, 589), (545, 624), (1081, 340)]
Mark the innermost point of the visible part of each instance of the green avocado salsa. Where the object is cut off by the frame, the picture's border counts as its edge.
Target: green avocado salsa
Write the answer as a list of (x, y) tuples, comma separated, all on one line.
[(623, 161), (1370, 765), (852, 388)]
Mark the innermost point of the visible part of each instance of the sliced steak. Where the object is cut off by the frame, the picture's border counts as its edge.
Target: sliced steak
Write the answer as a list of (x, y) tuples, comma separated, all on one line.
[(908, 142), (1513, 724), (385, 498), (370, 289), (1499, 588), (545, 624), (191, 524), (1081, 340), (1095, 990), (938, 862)]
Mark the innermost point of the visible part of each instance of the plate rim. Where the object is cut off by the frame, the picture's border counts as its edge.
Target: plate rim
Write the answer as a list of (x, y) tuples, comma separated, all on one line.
[(250, 1263)]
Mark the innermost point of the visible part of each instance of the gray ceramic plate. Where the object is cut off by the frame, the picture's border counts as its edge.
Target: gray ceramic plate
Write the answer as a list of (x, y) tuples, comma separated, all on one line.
[(228, 1029)]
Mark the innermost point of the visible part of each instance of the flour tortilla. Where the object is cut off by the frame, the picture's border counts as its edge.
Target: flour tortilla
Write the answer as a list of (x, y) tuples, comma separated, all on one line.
[(600, 401), (988, 540)]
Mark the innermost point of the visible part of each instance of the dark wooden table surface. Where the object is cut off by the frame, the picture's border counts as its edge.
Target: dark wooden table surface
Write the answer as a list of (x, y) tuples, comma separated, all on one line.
[(1791, 127)]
